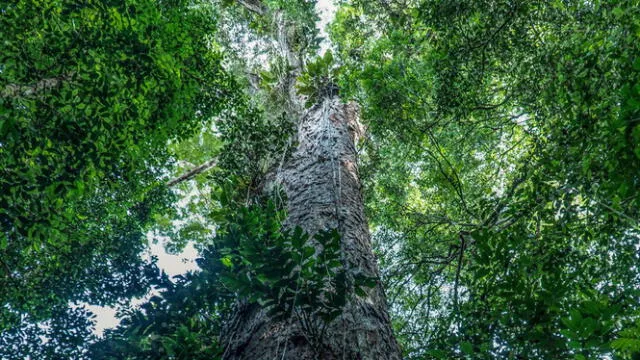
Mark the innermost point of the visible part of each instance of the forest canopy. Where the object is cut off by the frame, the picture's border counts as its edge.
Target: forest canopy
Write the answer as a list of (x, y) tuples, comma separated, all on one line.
[(496, 156)]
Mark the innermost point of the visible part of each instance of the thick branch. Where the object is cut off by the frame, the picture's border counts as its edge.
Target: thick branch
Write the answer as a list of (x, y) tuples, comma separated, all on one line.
[(193, 172), (254, 6)]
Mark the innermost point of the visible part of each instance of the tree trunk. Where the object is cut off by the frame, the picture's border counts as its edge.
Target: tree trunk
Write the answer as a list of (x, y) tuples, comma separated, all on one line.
[(323, 192)]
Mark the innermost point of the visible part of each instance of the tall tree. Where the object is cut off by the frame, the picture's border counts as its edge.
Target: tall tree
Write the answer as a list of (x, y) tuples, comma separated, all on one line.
[(322, 188), (498, 170)]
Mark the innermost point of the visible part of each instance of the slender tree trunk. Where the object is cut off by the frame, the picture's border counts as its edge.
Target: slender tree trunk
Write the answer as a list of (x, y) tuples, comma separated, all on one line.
[(323, 192)]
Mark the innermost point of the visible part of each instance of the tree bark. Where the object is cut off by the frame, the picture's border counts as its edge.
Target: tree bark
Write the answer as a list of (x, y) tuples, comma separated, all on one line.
[(323, 192)]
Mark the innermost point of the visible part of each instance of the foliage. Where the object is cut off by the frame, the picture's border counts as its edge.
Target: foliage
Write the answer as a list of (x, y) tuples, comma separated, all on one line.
[(282, 270), (501, 172), (62, 337), (293, 275), (319, 79), (287, 271), (299, 14), (628, 342), (90, 94), (180, 321)]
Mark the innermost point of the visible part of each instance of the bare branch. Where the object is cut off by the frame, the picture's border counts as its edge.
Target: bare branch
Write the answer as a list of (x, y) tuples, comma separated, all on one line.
[(254, 6), (193, 172)]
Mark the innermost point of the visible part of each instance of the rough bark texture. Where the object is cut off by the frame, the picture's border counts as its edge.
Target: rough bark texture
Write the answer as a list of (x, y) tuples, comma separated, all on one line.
[(323, 192)]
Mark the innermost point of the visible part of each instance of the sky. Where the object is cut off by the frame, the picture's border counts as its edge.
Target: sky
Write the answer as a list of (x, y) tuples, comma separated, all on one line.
[(326, 10), (171, 264), (185, 261)]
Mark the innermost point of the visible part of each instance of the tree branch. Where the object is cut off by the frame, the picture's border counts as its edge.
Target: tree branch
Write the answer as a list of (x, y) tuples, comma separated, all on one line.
[(192, 173), (254, 6)]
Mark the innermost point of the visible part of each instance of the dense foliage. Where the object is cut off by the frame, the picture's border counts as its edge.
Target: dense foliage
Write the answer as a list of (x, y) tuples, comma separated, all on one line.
[(90, 94), (501, 170)]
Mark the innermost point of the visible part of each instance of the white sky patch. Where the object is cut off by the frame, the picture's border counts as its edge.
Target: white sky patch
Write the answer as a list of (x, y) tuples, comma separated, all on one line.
[(171, 264), (175, 264), (105, 318), (326, 9)]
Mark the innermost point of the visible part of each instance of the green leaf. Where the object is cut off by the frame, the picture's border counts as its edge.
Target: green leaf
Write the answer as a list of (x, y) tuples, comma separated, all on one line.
[(466, 347)]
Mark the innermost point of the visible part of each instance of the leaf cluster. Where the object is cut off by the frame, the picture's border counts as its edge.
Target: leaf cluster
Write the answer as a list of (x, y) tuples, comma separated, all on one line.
[(319, 79), (283, 270)]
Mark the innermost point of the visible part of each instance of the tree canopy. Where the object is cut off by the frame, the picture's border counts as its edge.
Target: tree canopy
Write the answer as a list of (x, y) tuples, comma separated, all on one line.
[(90, 94), (500, 168)]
